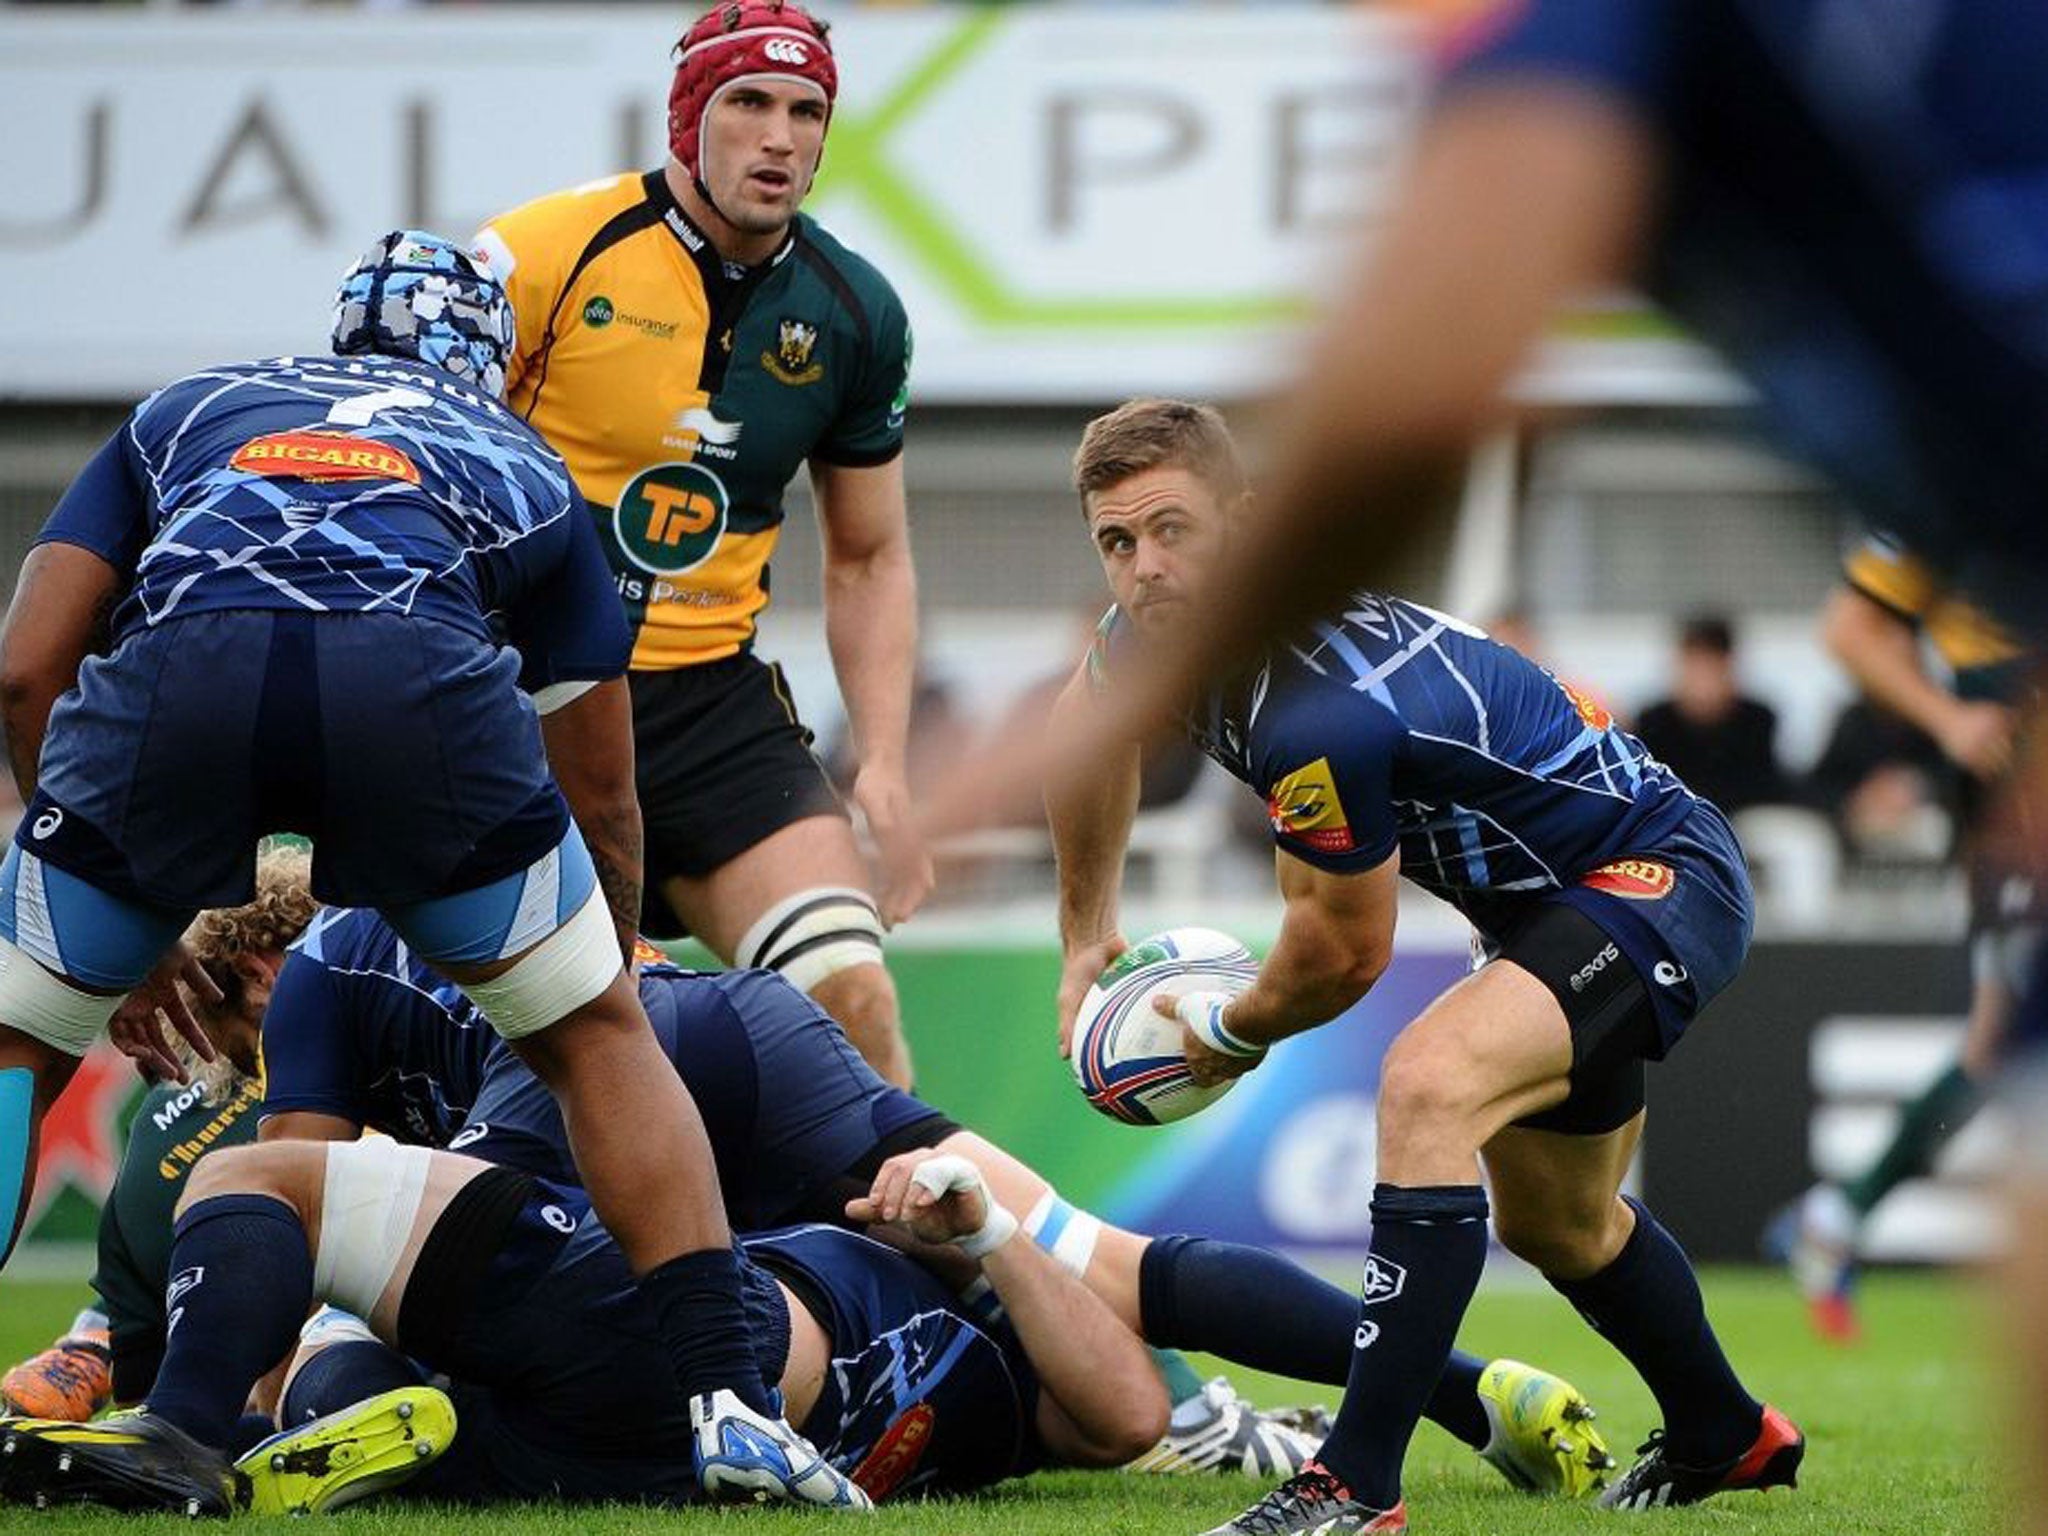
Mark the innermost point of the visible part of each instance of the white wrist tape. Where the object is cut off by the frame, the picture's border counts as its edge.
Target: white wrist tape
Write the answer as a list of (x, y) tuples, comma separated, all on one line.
[(1065, 1231), (949, 1173), (1202, 1012)]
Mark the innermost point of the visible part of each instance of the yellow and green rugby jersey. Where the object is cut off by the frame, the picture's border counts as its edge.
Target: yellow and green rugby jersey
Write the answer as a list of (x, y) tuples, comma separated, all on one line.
[(685, 392), (1988, 662)]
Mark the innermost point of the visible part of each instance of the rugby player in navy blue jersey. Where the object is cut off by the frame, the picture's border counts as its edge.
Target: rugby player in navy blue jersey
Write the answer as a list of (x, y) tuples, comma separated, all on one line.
[(1611, 904), (356, 597)]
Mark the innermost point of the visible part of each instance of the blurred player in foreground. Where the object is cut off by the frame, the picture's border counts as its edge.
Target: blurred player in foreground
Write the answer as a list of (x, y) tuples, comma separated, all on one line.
[(1967, 698), (306, 561), (1611, 904), (687, 340)]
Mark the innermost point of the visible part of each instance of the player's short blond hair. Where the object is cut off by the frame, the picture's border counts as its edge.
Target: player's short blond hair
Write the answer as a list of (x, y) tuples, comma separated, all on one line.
[(1148, 434)]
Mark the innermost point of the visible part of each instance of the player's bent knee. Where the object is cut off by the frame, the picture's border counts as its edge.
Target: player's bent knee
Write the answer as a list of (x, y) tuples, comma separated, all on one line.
[(1422, 1088), (564, 971), (817, 934), (48, 1008), (370, 1197)]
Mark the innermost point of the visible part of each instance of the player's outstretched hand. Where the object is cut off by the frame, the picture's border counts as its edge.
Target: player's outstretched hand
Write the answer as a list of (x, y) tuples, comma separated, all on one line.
[(137, 1027), (1083, 965), (906, 863)]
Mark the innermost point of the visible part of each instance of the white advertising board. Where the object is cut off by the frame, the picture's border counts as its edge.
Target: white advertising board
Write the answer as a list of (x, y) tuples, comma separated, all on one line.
[(1077, 203)]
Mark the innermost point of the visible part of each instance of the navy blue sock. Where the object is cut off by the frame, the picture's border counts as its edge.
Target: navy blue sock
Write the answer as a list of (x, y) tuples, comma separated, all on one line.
[(704, 1324), (1255, 1308), (341, 1375), (1428, 1248), (1647, 1304), (241, 1283)]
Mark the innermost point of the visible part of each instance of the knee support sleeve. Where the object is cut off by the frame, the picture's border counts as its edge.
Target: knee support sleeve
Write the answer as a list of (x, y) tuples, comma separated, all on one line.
[(557, 976), (46, 1008), (369, 1202), (814, 934)]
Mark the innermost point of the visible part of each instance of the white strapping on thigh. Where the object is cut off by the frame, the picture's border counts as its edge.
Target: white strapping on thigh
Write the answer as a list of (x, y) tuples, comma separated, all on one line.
[(371, 1199)]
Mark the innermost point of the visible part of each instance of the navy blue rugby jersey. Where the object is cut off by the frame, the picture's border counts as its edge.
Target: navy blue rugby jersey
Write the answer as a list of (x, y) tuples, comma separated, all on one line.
[(1393, 726), (1854, 208), (345, 485), (361, 1028)]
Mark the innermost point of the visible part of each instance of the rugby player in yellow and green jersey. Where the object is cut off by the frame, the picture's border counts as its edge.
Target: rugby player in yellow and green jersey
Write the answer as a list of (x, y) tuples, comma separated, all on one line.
[(687, 341)]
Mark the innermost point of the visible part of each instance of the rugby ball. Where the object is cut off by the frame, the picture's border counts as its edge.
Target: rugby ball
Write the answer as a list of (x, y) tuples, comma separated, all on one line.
[(1127, 1057)]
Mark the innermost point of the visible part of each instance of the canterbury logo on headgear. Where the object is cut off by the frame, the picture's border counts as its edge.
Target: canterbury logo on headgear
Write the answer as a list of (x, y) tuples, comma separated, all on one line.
[(783, 51)]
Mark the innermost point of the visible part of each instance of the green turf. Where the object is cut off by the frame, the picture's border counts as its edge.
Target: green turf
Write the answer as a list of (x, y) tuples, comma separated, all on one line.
[(1898, 1429)]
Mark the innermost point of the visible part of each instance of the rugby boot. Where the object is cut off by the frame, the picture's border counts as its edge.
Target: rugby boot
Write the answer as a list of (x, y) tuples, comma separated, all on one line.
[(1314, 1502), (1218, 1431), (1542, 1438), (73, 1379), (1771, 1462), (744, 1456), (1815, 1238), (134, 1462), (349, 1454)]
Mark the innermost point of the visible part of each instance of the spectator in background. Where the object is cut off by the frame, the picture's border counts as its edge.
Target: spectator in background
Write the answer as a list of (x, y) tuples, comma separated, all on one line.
[(1719, 740), (1881, 781)]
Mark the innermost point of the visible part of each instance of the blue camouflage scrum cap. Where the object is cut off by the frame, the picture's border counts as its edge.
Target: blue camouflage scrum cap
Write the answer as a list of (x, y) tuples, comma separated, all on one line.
[(417, 295)]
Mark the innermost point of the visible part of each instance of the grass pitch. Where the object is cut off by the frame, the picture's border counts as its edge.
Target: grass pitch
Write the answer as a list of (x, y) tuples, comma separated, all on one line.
[(1899, 1430)]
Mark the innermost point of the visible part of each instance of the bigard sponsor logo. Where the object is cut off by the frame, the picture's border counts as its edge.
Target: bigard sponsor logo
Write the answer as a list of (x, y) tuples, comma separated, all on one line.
[(323, 456)]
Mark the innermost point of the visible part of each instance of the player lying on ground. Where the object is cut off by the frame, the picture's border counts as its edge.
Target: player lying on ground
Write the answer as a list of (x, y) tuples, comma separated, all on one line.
[(312, 565), (508, 1285), (360, 1034), (1611, 902), (798, 1123)]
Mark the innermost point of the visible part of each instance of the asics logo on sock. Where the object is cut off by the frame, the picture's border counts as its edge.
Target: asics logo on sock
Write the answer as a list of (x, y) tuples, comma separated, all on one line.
[(1667, 974), (47, 823), (1365, 1336), (1380, 1281), (558, 1218)]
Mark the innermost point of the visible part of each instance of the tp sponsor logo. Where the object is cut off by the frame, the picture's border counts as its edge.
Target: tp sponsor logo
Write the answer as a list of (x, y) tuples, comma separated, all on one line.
[(670, 518)]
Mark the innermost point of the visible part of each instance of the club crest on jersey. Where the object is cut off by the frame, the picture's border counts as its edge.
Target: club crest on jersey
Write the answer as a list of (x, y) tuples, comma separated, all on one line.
[(322, 456), (1304, 806), (896, 1454), (1633, 879), (790, 362)]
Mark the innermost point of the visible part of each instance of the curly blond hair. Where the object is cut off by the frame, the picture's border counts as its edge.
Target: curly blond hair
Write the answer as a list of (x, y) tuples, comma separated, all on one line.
[(284, 905)]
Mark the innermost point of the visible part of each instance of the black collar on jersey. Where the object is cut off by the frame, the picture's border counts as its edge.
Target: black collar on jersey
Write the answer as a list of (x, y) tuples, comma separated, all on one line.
[(727, 285)]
